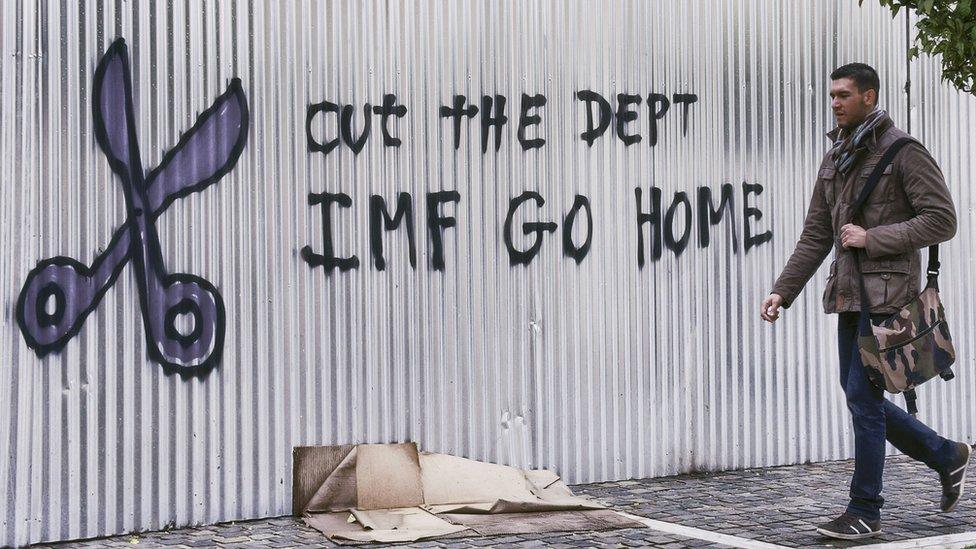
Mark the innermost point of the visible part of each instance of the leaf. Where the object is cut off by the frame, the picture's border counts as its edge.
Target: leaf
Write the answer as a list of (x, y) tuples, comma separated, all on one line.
[(964, 8)]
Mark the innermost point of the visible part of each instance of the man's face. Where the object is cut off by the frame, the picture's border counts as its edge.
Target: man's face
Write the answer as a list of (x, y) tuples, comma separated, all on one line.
[(850, 106)]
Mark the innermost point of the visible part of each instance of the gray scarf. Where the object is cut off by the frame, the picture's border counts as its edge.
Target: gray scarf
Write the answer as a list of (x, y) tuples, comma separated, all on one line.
[(850, 145)]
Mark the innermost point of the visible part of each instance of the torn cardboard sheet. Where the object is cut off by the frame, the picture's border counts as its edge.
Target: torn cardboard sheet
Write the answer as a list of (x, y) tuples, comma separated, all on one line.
[(392, 493), (459, 485), (343, 527), (338, 491), (453, 480), (393, 525), (388, 476)]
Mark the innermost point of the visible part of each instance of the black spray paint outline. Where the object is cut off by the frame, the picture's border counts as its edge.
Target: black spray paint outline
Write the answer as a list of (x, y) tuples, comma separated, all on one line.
[(136, 238)]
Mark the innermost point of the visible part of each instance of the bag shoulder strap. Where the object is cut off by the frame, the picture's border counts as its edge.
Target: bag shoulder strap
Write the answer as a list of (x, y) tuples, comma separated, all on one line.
[(864, 323), (932, 270)]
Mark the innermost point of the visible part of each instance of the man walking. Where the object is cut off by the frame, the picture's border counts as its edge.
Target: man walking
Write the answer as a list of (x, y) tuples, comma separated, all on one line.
[(910, 208)]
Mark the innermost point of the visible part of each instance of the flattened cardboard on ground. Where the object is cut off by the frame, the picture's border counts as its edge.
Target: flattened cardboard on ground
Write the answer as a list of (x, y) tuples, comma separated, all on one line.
[(338, 528), (338, 491), (388, 476), (393, 525), (378, 493), (458, 484), (312, 466), (517, 506), (452, 480), (333, 524)]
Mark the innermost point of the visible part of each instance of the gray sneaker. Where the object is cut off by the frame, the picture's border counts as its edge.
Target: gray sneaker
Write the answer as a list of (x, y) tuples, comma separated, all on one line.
[(849, 526), (954, 480)]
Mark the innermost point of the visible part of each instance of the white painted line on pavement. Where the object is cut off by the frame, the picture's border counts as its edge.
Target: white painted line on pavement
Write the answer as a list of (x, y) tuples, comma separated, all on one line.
[(697, 533), (953, 541), (948, 541)]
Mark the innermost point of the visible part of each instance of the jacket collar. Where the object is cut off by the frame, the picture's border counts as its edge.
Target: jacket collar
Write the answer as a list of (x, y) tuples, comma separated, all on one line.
[(872, 141)]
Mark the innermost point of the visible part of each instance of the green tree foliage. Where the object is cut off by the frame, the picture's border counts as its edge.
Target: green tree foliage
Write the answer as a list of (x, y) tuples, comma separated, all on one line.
[(947, 28)]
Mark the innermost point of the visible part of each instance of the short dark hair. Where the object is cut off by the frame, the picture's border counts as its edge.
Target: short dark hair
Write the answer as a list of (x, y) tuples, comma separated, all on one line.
[(864, 76)]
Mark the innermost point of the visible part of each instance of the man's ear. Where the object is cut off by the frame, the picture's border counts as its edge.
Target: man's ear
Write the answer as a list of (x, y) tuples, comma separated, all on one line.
[(871, 97)]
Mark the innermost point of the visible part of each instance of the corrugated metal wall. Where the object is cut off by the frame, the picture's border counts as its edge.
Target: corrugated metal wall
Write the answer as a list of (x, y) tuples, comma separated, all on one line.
[(600, 370)]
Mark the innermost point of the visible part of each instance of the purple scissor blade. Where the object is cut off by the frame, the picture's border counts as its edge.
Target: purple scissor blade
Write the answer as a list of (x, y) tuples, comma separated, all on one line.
[(205, 153), (114, 116)]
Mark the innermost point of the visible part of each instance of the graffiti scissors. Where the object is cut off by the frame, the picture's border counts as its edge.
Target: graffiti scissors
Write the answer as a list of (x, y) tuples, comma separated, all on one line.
[(183, 314)]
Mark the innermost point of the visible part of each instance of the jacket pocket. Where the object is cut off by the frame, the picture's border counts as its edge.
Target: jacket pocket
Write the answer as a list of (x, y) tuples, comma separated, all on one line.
[(882, 192), (828, 294), (827, 175), (887, 283)]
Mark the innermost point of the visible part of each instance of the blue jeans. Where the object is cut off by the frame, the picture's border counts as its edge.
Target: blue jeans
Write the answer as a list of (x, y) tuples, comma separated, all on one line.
[(876, 419)]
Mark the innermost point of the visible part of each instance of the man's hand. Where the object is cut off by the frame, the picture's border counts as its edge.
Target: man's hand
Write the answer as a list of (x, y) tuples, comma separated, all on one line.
[(852, 236), (769, 310)]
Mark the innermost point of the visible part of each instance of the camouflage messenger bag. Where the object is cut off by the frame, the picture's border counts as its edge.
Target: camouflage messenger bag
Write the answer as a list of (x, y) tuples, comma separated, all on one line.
[(913, 345)]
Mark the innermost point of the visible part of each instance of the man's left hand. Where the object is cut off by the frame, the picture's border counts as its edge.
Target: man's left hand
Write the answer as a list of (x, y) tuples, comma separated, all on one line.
[(852, 236)]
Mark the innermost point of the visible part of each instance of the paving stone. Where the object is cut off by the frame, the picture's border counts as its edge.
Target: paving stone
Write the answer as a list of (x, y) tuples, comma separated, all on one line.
[(237, 539)]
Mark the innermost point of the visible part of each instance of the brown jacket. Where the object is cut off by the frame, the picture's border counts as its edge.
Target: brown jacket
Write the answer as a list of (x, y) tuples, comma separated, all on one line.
[(909, 209)]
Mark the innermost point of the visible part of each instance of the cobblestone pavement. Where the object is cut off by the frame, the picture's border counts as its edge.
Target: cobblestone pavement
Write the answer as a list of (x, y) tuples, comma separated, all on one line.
[(777, 505)]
